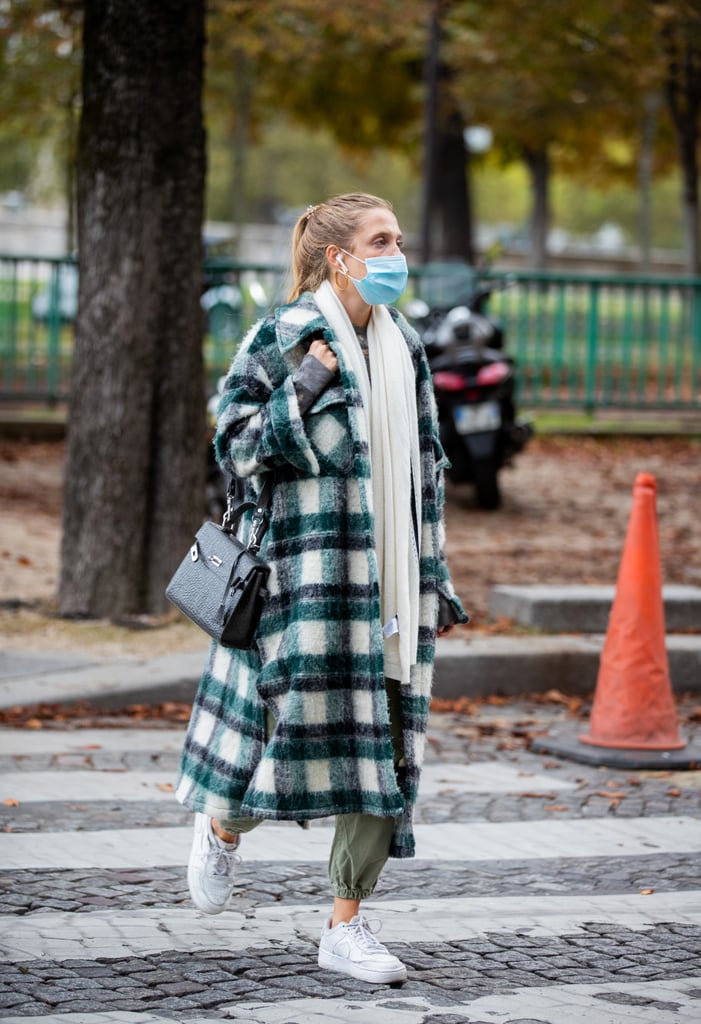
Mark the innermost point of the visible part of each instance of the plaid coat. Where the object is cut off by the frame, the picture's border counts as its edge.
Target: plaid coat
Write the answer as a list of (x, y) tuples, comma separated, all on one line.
[(318, 663)]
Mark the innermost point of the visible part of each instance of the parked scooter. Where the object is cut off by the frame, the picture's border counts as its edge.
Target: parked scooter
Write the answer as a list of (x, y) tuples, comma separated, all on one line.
[(474, 383)]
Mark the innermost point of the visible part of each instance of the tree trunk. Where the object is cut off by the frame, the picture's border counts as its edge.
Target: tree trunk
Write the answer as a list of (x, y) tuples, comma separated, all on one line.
[(430, 132), (453, 197), (646, 163), (136, 438), (446, 193), (538, 163), (688, 147), (681, 44)]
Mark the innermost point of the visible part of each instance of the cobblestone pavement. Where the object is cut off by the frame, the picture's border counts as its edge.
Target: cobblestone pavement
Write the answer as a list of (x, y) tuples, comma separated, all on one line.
[(544, 891)]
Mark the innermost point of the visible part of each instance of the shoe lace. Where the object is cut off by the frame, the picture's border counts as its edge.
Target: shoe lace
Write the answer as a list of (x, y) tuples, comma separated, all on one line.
[(222, 862), (364, 934)]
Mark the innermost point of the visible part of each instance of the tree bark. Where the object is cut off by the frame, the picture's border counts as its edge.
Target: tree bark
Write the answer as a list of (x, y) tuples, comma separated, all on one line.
[(646, 164), (688, 148), (453, 196), (136, 437), (447, 211), (681, 44), (431, 70), (538, 163)]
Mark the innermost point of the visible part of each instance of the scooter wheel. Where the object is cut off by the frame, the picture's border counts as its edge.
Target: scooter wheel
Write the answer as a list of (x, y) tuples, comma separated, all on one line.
[(486, 482)]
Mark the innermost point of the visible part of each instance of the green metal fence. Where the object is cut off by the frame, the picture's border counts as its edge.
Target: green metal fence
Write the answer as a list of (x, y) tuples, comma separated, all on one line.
[(604, 342), (38, 298), (581, 342)]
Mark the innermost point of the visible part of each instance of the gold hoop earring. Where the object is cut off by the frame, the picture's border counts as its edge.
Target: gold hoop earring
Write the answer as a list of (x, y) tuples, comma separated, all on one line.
[(341, 284)]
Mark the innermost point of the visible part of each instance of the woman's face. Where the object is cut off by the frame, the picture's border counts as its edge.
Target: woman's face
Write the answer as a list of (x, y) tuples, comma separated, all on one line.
[(378, 235)]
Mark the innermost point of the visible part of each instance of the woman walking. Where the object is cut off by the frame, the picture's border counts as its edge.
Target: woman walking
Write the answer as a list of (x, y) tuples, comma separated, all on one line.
[(331, 397)]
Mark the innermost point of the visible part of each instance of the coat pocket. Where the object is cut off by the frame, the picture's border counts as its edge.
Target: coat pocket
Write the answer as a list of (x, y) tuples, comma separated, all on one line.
[(328, 430)]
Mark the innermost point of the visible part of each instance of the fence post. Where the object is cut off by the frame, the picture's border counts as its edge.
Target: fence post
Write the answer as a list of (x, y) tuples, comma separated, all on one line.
[(695, 383), (592, 346)]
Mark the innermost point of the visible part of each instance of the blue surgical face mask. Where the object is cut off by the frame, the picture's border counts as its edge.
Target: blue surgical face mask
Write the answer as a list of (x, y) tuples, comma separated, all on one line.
[(385, 280)]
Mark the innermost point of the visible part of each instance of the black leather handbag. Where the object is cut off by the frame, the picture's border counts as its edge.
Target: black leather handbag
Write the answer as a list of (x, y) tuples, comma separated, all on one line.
[(221, 584)]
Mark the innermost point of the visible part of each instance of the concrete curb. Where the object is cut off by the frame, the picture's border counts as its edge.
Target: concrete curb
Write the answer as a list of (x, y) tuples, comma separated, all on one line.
[(517, 665), (107, 683), (480, 667), (585, 608)]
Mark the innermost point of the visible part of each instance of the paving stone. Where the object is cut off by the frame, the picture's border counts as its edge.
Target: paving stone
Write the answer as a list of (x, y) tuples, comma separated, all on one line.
[(442, 975), (180, 988)]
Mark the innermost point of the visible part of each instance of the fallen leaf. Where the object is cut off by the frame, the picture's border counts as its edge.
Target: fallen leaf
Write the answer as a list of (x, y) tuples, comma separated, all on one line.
[(167, 787), (466, 732), (646, 892), (555, 807), (536, 796), (11, 802), (674, 792), (611, 796)]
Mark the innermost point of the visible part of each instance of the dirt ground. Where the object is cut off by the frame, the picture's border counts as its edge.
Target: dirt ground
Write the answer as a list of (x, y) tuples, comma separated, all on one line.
[(565, 513)]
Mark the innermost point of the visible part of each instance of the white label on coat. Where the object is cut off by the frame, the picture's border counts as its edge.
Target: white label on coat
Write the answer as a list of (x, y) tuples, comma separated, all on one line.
[(391, 627)]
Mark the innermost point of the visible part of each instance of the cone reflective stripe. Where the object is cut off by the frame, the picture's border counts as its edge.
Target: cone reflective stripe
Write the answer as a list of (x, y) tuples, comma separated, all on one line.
[(633, 703)]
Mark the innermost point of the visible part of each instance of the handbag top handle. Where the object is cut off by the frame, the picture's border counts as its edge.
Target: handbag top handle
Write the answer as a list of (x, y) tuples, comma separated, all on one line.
[(261, 508)]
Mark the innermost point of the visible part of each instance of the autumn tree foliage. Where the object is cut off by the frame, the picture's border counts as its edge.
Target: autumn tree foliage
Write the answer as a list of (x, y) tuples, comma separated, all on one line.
[(602, 91), (572, 87)]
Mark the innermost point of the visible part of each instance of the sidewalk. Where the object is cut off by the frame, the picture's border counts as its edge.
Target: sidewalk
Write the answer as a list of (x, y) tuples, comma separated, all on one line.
[(479, 666), (542, 891)]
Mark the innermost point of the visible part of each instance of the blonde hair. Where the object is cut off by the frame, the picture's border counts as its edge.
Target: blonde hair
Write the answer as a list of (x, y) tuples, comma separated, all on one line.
[(333, 222)]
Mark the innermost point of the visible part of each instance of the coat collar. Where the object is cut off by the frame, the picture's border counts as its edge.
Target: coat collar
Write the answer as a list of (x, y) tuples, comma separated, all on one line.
[(296, 320)]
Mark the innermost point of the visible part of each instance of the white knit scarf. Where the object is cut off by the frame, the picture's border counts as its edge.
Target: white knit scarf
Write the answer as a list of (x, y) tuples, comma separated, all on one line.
[(393, 434)]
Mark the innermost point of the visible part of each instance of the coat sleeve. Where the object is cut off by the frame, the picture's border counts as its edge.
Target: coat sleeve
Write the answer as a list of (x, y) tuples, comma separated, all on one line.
[(260, 425)]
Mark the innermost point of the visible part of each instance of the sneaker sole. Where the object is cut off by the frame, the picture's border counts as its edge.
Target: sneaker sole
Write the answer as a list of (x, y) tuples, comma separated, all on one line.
[(343, 966)]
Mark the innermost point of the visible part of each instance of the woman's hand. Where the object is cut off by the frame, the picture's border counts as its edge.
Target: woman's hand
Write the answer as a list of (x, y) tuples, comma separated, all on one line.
[(321, 351), (444, 630)]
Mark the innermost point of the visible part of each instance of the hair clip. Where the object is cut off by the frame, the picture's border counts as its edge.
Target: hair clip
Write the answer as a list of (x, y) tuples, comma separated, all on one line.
[(309, 211)]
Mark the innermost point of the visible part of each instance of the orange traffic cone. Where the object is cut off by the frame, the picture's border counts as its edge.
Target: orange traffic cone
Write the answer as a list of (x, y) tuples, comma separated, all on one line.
[(633, 704)]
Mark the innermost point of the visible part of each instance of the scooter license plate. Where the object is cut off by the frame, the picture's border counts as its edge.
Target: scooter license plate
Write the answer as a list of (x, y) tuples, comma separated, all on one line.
[(473, 419)]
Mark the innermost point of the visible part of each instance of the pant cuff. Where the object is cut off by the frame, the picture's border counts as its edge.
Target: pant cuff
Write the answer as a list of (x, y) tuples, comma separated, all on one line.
[(344, 893)]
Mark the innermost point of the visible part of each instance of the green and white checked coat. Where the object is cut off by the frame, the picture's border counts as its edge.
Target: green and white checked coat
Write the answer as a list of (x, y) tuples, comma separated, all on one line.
[(318, 665)]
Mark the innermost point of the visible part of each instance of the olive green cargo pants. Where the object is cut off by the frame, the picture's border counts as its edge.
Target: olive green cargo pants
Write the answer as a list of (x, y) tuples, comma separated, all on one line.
[(361, 842)]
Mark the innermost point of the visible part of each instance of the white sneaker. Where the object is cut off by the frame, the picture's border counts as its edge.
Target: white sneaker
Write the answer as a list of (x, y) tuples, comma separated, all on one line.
[(351, 948), (210, 871)]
